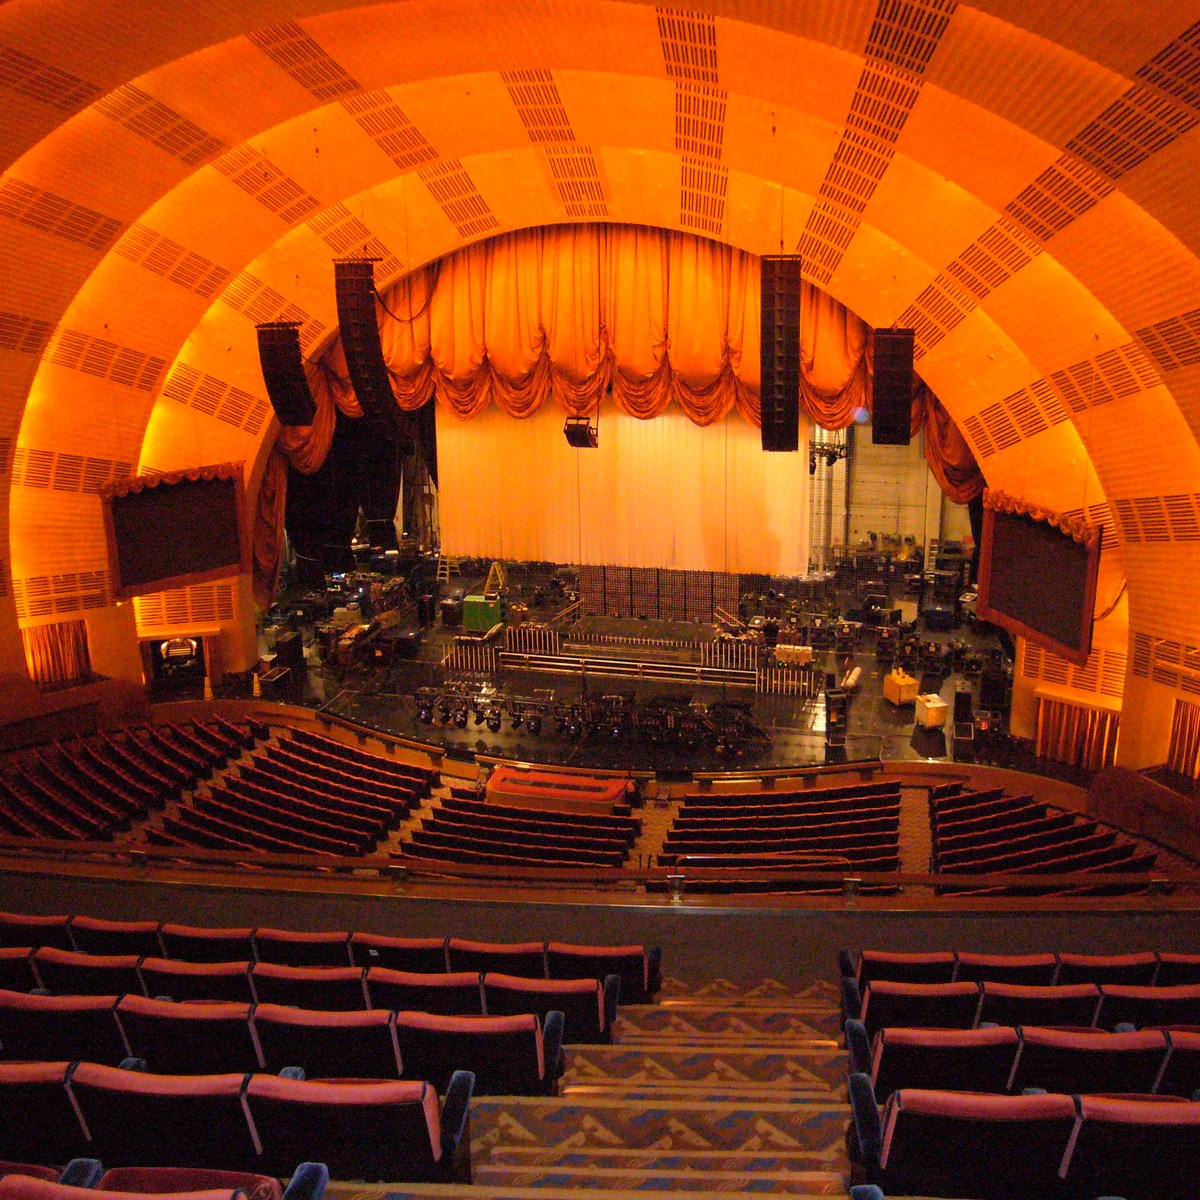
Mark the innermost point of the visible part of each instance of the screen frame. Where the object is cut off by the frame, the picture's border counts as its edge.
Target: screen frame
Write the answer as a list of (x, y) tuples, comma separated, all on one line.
[(218, 472), (1088, 535)]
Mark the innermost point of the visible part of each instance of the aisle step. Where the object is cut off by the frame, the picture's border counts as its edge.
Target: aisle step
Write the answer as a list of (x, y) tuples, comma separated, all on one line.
[(467, 1191), (707, 1178), (757, 991), (638, 1022)]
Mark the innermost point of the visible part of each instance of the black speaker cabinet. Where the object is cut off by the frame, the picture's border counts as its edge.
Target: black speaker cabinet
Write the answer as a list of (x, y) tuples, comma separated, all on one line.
[(891, 404), (283, 372), (993, 689), (780, 352), (962, 707), (354, 284), (289, 652)]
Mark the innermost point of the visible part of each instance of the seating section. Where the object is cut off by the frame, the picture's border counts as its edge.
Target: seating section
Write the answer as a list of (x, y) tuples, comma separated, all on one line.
[(835, 828), (476, 831), (988, 832), (90, 788)]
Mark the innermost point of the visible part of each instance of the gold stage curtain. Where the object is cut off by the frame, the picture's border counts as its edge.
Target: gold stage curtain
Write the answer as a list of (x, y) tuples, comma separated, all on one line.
[(57, 654), (946, 451), (1070, 733), (1183, 754)]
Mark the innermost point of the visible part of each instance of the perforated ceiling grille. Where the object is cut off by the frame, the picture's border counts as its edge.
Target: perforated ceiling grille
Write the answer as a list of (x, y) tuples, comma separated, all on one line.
[(1129, 131), (1060, 195), (700, 119), (459, 198), (577, 180), (201, 604), (939, 308), (904, 37), (103, 359), (1173, 518), (1113, 375), (1166, 661), (538, 104), (26, 335), (56, 215), (216, 398), (1176, 68), (1104, 672), (248, 295), (162, 256), (384, 122), (344, 233), (267, 184), (52, 471), (6, 455), (689, 44), (50, 595), (1173, 342), (702, 191), (28, 76), (160, 125), (291, 49), (994, 257)]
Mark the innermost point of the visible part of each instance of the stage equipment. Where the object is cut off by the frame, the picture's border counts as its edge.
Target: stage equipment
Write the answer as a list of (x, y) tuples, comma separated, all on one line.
[(962, 707), (282, 365), (481, 614), (452, 612), (780, 352), (289, 653), (581, 433), (891, 389), (993, 688), (837, 711)]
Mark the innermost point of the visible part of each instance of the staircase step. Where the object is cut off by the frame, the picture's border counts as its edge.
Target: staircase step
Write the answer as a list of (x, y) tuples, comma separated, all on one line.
[(686, 1021), (710, 1178), (758, 991), (508, 1191)]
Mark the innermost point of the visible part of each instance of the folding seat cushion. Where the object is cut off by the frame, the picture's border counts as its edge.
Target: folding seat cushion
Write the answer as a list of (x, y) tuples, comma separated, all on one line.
[(20, 1187), (24, 929), (67, 973), (148, 1120), (1068, 1060), (936, 1143), (639, 967), (196, 1038), (353, 1045), (16, 969), (1137, 969), (920, 1005), (1181, 1075), (902, 967), (527, 959), (1024, 1004), (96, 935), (965, 1060), (60, 1027), (391, 1130), (296, 948), (38, 1122), (1175, 969), (155, 1181), (1139, 1149), (167, 978), (1142, 1006), (198, 944), (421, 955), (335, 988), (588, 1007), (458, 994), (507, 1055), (31, 1169), (1035, 969)]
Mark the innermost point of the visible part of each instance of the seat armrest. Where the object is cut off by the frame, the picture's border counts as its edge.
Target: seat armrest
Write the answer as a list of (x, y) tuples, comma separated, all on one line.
[(133, 1063), (866, 1125), (552, 1036), (653, 971), (869, 1191), (82, 1172), (612, 997), (292, 1073), (456, 1127), (846, 964), (851, 999), (308, 1182), (858, 1046)]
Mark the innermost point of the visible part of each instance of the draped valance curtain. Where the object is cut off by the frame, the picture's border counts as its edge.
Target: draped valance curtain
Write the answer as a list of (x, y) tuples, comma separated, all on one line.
[(577, 313)]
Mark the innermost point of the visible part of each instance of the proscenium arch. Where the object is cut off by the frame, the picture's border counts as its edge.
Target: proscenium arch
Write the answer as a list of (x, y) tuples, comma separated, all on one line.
[(1002, 94)]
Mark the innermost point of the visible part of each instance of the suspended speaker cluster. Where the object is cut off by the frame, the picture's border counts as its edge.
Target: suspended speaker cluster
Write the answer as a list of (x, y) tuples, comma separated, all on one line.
[(891, 389), (780, 352), (283, 372)]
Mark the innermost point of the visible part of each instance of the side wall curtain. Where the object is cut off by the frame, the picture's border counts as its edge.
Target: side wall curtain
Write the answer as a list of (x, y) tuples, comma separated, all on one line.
[(57, 654), (576, 313)]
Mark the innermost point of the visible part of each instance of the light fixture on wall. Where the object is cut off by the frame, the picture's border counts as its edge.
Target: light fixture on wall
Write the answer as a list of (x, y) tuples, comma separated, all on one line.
[(830, 452), (581, 433)]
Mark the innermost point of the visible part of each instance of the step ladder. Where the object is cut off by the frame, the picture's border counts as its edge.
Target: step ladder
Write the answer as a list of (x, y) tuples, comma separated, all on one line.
[(446, 567)]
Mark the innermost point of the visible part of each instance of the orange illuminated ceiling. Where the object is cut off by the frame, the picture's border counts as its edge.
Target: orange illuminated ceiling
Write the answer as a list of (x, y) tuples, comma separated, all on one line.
[(1010, 178)]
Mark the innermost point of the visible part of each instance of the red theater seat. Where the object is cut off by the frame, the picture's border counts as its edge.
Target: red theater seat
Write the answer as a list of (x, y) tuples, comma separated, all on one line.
[(527, 959), (1018, 1004), (95, 935), (920, 1005), (38, 1122), (328, 1044), (422, 955), (455, 994), (639, 969), (1142, 1006), (588, 1006), (16, 969), (1136, 969), (1068, 1060), (1036, 969), (43, 1028), (196, 944), (303, 949), (340, 988), (931, 967), (66, 973), (22, 929), (194, 1038), (968, 1060), (175, 980)]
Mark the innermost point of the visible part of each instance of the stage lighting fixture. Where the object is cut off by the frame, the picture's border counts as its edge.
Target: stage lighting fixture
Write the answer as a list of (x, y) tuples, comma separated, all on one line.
[(830, 459), (516, 720), (460, 718), (493, 723), (581, 434), (444, 711), (479, 716), (534, 725), (812, 466), (560, 725), (425, 716)]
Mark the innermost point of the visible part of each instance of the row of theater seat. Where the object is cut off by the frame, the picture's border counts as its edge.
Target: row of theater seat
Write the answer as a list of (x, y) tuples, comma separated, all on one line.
[(1049, 1146), (589, 1005), (51, 1112), (1007, 1059), (87, 1179), (509, 1055), (1147, 968), (969, 1004), (72, 938)]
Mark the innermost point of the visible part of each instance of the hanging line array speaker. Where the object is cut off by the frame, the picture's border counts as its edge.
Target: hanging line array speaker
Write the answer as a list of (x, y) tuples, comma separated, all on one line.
[(891, 403), (283, 372), (354, 279), (780, 352)]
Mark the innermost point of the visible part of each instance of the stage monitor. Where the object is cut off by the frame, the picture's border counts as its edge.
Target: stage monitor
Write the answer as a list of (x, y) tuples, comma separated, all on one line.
[(172, 530), (1037, 575)]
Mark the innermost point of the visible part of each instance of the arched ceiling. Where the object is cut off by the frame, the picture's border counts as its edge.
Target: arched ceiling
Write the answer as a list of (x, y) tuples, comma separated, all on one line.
[(1010, 178)]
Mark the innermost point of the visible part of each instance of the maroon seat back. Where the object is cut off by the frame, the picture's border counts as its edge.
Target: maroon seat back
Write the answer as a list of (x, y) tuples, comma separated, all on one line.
[(67, 973), (420, 955), (1066, 1060), (1037, 969), (150, 1120), (60, 1027), (98, 935), (566, 960), (16, 969), (165, 977), (968, 1060), (199, 944), (1181, 1075), (581, 1001), (328, 1044), (1142, 1006), (25, 929), (1020, 1004), (905, 967), (505, 1054), (23, 1187), (527, 959), (301, 948), (1137, 969), (389, 1130), (920, 1005), (189, 1038), (455, 994), (332, 988), (155, 1181), (38, 1122), (1175, 969)]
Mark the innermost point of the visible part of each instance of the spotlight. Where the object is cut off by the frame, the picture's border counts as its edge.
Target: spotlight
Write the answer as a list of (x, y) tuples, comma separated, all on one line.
[(493, 723), (479, 716), (425, 716), (534, 725), (460, 718), (517, 719), (831, 459), (812, 466), (444, 711)]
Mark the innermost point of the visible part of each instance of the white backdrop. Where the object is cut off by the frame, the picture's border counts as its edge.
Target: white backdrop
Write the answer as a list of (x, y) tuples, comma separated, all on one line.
[(657, 493)]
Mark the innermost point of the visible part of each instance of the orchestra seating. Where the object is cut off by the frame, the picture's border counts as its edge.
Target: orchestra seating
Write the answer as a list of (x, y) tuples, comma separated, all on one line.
[(986, 832), (855, 827), (86, 1179)]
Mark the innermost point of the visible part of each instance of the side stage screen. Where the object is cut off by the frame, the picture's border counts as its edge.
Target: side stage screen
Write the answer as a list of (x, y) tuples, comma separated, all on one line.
[(174, 531), (1039, 582)]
